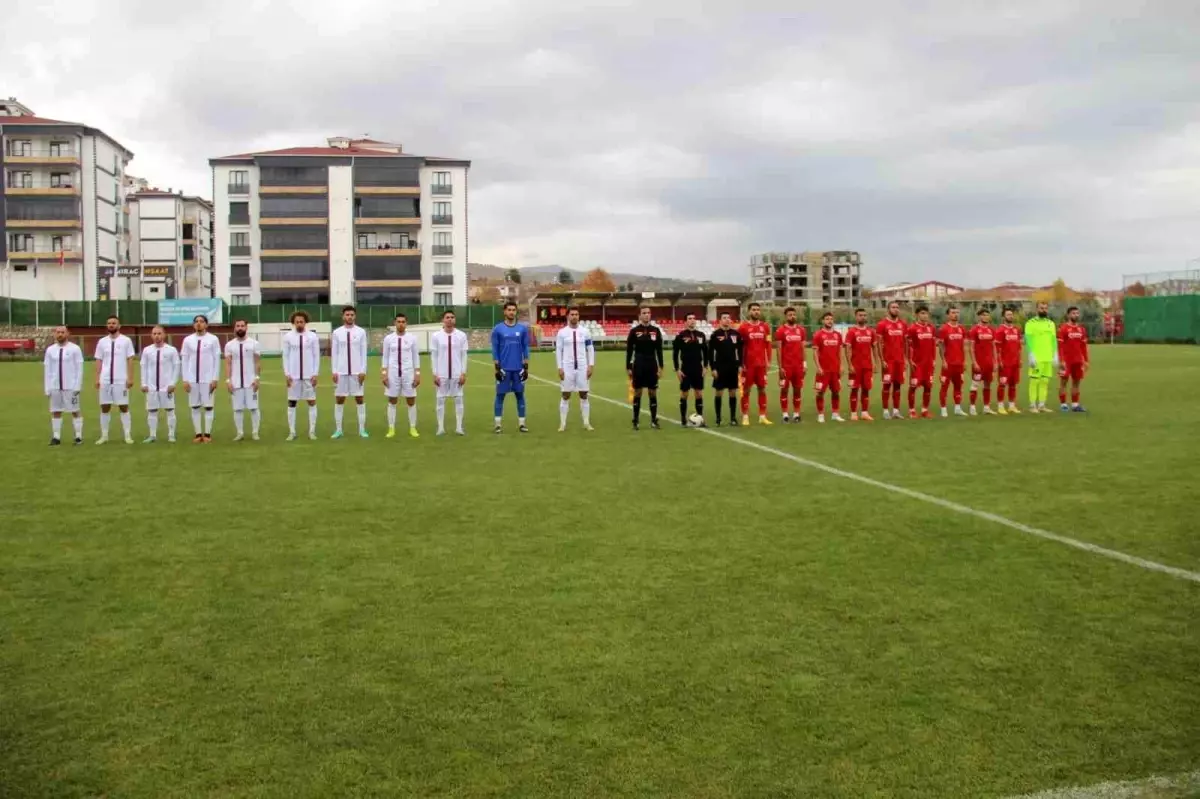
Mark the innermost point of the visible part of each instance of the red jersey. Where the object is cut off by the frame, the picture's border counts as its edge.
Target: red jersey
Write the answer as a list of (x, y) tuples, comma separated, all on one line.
[(861, 341), (954, 339), (922, 343), (985, 344), (1009, 339), (791, 347), (1072, 344), (891, 333), (828, 345), (756, 343)]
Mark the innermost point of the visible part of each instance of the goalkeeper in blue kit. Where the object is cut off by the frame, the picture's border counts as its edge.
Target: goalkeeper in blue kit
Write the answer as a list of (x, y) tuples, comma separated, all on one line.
[(510, 355)]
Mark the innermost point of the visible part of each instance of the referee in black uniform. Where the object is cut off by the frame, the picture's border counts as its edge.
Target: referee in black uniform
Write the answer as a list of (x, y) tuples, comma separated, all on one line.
[(690, 355), (644, 363), (725, 361)]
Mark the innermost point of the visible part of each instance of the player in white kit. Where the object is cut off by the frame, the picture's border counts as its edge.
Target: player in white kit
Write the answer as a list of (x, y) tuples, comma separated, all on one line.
[(201, 356), (401, 374), (448, 353), (301, 363), (62, 378), (160, 373), (348, 359), (113, 380), (575, 355), (243, 371)]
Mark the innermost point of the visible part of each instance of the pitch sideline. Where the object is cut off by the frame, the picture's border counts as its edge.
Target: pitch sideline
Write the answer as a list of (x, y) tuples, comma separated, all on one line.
[(1133, 789), (1095, 549)]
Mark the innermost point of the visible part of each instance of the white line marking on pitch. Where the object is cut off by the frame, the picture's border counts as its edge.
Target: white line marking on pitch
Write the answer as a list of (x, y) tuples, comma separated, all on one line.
[(1095, 549), (1151, 786)]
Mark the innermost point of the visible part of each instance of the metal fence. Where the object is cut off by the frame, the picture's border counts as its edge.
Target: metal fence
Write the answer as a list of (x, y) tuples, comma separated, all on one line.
[(1164, 284)]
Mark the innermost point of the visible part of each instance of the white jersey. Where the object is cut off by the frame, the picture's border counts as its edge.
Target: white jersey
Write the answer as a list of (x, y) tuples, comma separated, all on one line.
[(348, 349), (400, 354), (243, 370), (573, 349), (448, 351), (113, 355), (301, 355), (201, 356), (63, 367), (160, 367)]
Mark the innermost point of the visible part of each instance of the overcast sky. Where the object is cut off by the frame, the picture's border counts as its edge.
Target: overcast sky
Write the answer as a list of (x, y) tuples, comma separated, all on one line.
[(972, 142)]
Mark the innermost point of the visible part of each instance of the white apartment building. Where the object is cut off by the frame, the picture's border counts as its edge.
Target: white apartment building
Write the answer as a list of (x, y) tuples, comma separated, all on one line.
[(358, 221), (170, 245), (816, 279)]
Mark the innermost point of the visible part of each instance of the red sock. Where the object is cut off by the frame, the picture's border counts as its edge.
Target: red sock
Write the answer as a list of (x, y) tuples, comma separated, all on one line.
[(987, 395), (863, 396), (945, 389), (896, 398), (912, 398), (1012, 392), (1075, 396), (975, 396), (887, 399), (746, 401), (837, 402), (796, 402), (783, 400), (958, 395), (762, 402), (854, 400), (1062, 395), (926, 397), (821, 402)]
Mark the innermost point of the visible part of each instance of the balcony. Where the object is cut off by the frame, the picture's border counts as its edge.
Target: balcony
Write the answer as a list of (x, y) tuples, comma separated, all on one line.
[(40, 187), (407, 221), (242, 250), (44, 224), (443, 219), (44, 253), (411, 249), (295, 253), (239, 188), (443, 280), (278, 189), (441, 189), (395, 191), (40, 155), (239, 219), (443, 249), (308, 221)]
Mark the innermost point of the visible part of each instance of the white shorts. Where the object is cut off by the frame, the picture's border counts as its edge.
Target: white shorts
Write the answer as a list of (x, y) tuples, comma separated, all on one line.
[(114, 394), (245, 399), (200, 396), (574, 380), (449, 388), (302, 390), (160, 400), (64, 402), (348, 386), (401, 386)]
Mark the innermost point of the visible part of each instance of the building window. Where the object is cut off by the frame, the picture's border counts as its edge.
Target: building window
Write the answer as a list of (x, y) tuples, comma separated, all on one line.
[(294, 270), (239, 213), (239, 239), (239, 299), (386, 208), (239, 177), (22, 148), (442, 268), (59, 149), (379, 296), (20, 180), (295, 238), (441, 178), (20, 242), (442, 243), (239, 276), (295, 296), (60, 180), (293, 176), (402, 241), (441, 213), (442, 298), (367, 241), (295, 207), (56, 244), (402, 267)]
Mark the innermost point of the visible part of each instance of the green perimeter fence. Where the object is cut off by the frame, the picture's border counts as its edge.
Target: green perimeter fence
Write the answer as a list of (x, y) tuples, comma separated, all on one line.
[(31, 313), (1173, 318)]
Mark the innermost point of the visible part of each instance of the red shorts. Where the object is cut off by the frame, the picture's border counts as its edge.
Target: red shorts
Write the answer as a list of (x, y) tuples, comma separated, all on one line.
[(983, 373), (953, 373), (1010, 375), (1071, 370), (921, 374), (792, 376), (828, 380), (862, 378), (754, 376), (893, 373)]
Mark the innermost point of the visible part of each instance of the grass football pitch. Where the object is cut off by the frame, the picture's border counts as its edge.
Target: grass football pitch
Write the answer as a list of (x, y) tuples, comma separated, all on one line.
[(666, 613)]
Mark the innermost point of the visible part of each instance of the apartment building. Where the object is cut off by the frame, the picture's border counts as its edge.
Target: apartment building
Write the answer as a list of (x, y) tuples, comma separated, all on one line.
[(817, 279), (357, 221), (170, 245), (61, 220)]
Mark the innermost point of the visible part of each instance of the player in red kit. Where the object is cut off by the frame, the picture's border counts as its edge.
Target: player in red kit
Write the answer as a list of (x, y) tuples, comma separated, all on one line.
[(982, 340), (890, 341), (756, 357), (1008, 350), (1073, 357), (792, 363), (922, 352), (952, 347), (860, 356), (827, 346)]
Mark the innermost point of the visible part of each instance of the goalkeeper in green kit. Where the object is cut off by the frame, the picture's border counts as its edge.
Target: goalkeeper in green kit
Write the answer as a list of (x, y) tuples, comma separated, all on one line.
[(1041, 340)]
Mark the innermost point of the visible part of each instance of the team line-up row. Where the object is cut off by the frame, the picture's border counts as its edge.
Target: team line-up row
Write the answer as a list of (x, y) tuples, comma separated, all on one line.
[(737, 358)]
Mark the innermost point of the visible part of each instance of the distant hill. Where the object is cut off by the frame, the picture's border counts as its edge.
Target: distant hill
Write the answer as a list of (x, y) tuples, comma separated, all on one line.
[(549, 274)]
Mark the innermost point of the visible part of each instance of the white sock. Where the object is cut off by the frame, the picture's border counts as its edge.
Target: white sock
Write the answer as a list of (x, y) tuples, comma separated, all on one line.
[(196, 421), (78, 423), (312, 419), (499, 419), (412, 416), (521, 421), (170, 424), (238, 423), (255, 420), (104, 418), (209, 414), (585, 408), (56, 427), (127, 423), (362, 417), (338, 412), (292, 419), (458, 411), (391, 411), (152, 423), (441, 414), (563, 407)]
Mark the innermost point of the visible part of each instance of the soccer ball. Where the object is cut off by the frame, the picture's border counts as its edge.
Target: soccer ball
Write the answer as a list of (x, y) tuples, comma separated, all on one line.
[(695, 420)]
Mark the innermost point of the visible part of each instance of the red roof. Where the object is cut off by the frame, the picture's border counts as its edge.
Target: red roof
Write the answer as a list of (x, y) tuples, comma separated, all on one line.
[(27, 120), (326, 151)]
